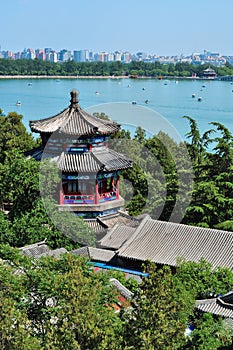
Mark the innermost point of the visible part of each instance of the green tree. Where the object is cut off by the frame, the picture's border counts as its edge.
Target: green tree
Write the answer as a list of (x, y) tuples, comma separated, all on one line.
[(159, 312), (209, 333), (55, 304), (204, 280), (13, 135), (19, 183)]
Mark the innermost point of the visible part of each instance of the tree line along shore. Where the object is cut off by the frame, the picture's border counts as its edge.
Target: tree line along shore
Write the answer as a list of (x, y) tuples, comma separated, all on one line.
[(70, 69)]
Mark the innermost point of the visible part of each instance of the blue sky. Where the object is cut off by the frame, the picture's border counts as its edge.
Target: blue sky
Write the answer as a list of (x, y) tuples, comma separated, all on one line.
[(154, 26)]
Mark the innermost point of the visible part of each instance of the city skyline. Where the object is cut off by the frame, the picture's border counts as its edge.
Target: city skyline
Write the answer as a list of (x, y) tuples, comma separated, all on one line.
[(49, 54), (156, 27)]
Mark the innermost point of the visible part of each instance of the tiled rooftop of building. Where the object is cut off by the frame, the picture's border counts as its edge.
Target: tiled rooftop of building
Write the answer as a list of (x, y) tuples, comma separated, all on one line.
[(74, 121), (163, 242)]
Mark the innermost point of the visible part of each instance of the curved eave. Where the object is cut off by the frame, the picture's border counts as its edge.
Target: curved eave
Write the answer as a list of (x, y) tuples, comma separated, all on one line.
[(76, 122), (49, 125)]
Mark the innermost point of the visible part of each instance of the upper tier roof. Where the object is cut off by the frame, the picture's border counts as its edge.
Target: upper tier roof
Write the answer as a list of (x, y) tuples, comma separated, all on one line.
[(75, 121)]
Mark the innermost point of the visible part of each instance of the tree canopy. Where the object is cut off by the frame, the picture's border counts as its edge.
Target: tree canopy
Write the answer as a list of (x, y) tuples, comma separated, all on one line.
[(135, 68)]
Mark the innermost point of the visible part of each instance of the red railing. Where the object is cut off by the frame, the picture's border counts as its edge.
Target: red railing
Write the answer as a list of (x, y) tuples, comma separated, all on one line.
[(107, 196), (88, 198), (78, 199)]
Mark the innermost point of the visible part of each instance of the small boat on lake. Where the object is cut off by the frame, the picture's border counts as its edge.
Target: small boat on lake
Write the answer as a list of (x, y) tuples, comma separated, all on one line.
[(97, 92), (199, 99), (147, 101), (193, 95), (134, 102), (18, 103)]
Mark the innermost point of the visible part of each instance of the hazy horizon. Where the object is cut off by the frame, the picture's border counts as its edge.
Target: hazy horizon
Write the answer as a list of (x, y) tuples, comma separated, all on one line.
[(161, 27)]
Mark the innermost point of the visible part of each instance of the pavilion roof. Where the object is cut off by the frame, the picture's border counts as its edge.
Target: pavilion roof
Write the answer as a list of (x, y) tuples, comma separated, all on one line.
[(92, 162), (74, 121)]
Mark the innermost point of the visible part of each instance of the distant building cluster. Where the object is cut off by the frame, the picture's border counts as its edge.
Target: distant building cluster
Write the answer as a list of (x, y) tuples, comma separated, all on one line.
[(48, 54)]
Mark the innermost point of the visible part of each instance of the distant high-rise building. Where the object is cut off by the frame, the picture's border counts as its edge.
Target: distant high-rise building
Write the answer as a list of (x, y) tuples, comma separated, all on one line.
[(48, 50), (117, 56), (64, 55), (102, 57), (91, 56), (141, 56), (7, 54), (81, 56), (110, 57), (51, 56), (126, 57), (40, 54), (18, 55), (28, 54)]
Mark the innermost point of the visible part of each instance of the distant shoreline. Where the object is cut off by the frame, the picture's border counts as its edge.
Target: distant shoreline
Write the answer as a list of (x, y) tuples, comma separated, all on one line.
[(62, 77), (58, 77)]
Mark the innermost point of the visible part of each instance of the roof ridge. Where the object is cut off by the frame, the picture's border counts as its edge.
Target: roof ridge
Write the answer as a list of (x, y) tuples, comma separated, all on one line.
[(37, 244), (70, 110), (73, 120), (97, 160), (109, 233), (32, 122), (137, 231)]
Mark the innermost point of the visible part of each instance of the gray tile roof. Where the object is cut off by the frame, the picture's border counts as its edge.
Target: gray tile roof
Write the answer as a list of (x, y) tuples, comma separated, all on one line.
[(112, 160), (96, 226), (121, 288), (94, 254), (35, 249), (56, 253), (74, 121), (222, 306), (115, 238), (163, 242), (40, 249), (88, 162), (82, 163), (120, 218), (92, 162)]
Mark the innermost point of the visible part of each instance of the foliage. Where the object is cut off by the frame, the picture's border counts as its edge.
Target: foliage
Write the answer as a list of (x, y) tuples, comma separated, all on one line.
[(19, 182), (70, 68), (212, 204), (13, 135), (63, 304), (209, 333), (159, 312), (101, 115), (55, 304), (203, 280)]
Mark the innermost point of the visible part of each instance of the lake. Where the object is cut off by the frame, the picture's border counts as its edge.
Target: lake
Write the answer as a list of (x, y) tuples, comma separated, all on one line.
[(168, 101)]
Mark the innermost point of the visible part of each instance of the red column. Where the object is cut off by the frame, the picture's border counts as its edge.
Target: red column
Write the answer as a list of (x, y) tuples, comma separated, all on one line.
[(117, 188), (112, 183), (96, 193), (61, 195)]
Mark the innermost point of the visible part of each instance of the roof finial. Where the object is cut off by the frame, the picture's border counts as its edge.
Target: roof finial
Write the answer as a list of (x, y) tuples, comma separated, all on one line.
[(74, 98)]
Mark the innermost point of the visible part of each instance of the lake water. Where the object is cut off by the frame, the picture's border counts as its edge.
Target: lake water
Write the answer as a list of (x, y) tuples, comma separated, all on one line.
[(169, 101)]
